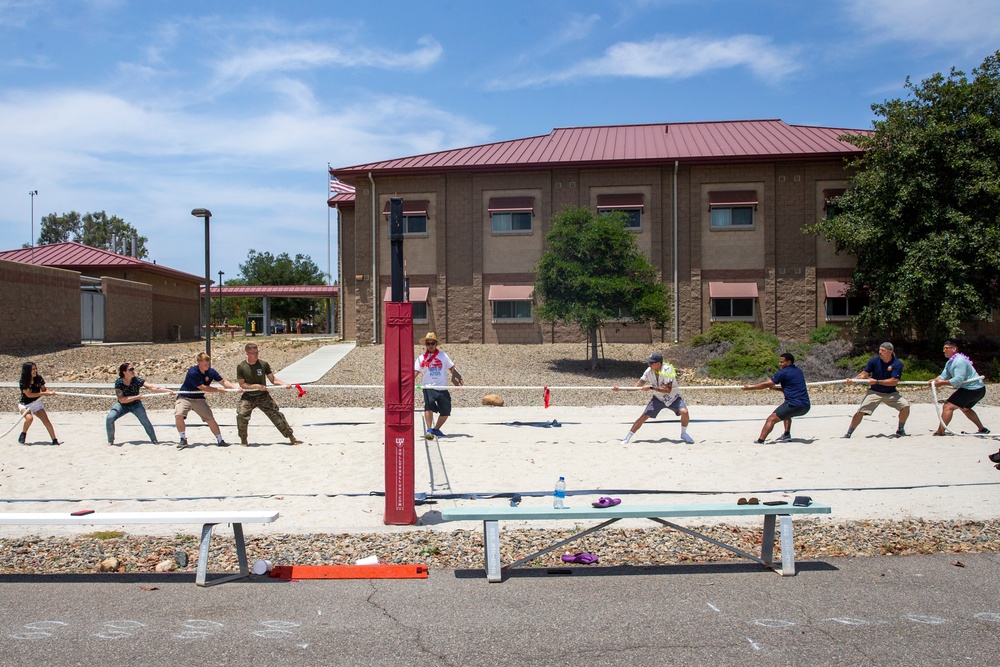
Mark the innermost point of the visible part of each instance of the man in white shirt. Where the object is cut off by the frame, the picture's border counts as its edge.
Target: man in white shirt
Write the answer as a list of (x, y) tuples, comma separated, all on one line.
[(661, 379), (435, 365)]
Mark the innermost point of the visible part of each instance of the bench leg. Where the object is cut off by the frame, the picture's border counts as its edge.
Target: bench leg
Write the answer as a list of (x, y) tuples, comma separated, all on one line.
[(767, 543), (241, 556), (787, 547), (491, 548)]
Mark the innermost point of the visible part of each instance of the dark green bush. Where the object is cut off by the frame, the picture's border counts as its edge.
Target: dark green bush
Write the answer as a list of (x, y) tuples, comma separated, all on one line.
[(824, 334), (753, 352)]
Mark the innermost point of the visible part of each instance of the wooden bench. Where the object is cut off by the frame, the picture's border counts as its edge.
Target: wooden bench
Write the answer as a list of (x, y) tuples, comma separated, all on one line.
[(208, 521), (491, 516)]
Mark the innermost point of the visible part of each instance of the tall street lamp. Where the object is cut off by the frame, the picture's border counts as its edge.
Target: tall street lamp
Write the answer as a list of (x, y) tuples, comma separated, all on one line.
[(205, 213), (32, 193), (221, 273)]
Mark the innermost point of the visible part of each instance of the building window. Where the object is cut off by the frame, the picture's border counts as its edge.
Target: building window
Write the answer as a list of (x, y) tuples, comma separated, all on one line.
[(511, 310), (512, 221), (414, 216), (420, 311), (838, 304), (631, 204), (418, 297), (732, 208), (830, 207), (511, 303), (414, 224), (733, 309), (511, 215)]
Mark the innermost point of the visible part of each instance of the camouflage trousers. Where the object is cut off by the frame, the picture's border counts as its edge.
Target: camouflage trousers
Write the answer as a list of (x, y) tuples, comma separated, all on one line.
[(267, 405)]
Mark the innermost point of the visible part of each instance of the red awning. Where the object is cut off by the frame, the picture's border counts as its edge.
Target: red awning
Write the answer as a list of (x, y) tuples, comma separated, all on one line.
[(830, 195), (507, 204), (836, 289), (628, 200), (410, 207), (511, 292), (732, 290), (732, 198), (416, 293)]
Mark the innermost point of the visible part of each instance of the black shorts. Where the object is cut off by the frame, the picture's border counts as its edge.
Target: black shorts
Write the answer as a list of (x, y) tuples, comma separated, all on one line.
[(786, 411), (967, 398), (437, 400)]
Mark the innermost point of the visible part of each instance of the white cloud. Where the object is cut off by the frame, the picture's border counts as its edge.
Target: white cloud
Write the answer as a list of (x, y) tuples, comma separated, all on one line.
[(968, 25), (300, 56), (676, 58)]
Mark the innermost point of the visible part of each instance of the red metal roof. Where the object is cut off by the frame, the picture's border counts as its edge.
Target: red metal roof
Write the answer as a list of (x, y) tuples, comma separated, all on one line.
[(78, 257), (724, 141), (309, 291)]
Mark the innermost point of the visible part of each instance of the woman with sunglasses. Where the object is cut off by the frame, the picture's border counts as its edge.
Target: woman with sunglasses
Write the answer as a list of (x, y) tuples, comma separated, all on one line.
[(127, 388), (32, 387)]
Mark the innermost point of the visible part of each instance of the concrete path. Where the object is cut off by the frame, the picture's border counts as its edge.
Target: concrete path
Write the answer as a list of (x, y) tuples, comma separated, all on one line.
[(314, 366)]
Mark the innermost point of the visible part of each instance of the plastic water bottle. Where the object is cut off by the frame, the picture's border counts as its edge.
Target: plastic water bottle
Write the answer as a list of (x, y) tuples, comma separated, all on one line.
[(559, 496)]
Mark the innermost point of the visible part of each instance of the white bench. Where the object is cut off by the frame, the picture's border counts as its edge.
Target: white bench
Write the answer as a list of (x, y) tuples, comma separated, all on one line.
[(208, 521), (491, 516)]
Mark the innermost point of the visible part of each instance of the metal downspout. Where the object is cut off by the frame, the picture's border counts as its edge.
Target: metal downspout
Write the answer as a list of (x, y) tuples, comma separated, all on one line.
[(374, 264), (677, 301)]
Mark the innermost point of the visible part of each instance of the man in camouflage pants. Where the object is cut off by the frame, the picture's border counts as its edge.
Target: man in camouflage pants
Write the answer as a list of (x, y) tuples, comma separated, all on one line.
[(253, 375)]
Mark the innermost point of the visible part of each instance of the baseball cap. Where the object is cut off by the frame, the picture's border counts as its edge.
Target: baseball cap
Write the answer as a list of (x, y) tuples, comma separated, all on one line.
[(655, 357)]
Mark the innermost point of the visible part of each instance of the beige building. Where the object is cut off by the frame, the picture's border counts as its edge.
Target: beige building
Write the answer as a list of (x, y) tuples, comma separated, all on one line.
[(718, 208)]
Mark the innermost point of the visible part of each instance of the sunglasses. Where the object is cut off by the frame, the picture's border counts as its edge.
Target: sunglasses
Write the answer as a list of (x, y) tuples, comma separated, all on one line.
[(131, 368), (430, 344)]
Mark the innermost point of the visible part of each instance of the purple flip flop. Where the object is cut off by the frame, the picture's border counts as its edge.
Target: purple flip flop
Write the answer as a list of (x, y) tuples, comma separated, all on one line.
[(582, 557), (607, 502)]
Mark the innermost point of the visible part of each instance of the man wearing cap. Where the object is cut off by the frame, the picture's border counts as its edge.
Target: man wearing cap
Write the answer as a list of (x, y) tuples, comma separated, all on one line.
[(435, 365), (661, 379), (882, 373)]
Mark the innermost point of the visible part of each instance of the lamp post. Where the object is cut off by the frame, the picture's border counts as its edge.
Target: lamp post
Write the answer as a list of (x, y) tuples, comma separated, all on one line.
[(221, 273), (205, 213), (32, 194)]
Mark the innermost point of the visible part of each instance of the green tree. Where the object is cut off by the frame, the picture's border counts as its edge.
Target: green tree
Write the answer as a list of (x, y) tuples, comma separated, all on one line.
[(263, 268), (922, 217), (593, 272), (93, 229)]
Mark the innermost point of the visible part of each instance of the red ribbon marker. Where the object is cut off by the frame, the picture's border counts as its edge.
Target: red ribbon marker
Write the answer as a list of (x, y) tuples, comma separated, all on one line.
[(302, 392), (546, 396)]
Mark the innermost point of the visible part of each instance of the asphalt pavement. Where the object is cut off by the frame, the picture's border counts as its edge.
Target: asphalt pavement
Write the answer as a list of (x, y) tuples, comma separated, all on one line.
[(918, 610)]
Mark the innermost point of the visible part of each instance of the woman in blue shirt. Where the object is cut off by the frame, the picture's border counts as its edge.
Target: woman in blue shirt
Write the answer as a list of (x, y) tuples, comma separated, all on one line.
[(127, 388), (969, 388)]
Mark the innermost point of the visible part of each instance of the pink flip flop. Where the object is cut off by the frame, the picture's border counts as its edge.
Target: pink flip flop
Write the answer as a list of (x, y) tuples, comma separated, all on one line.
[(607, 502)]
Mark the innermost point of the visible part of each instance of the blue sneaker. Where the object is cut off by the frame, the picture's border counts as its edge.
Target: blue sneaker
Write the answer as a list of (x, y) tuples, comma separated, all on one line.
[(436, 433)]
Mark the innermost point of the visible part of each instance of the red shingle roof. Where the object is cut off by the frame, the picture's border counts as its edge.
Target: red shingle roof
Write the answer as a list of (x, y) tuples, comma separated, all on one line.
[(78, 257), (728, 141), (311, 291)]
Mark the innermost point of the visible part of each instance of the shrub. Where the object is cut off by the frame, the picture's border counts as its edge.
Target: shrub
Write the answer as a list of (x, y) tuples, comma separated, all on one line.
[(824, 334), (752, 353)]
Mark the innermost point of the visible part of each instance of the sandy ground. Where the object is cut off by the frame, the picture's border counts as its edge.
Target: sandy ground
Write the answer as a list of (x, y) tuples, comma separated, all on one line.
[(324, 486)]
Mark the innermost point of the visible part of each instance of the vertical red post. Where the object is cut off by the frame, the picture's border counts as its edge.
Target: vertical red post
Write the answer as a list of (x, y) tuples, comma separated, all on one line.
[(399, 484)]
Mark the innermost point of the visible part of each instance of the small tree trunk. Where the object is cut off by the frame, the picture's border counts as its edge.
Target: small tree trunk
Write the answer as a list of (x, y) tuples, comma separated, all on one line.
[(592, 334)]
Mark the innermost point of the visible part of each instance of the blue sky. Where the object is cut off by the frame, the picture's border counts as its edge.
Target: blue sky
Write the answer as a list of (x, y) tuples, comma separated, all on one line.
[(148, 109)]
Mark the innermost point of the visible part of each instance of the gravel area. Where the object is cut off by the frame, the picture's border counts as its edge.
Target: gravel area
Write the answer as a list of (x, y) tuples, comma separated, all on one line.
[(518, 365)]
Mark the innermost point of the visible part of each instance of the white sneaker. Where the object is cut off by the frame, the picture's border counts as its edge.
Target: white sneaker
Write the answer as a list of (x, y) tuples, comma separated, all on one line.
[(687, 438)]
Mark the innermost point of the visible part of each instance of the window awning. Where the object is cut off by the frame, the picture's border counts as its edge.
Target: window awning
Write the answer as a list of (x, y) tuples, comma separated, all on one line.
[(836, 289), (511, 292), (416, 293), (732, 290), (732, 198), (628, 200), (410, 207), (509, 204), (830, 195)]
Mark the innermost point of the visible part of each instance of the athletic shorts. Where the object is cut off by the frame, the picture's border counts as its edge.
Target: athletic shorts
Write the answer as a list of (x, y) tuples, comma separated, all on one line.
[(786, 411), (199, 405), (437, 400), (967, 398), (873, 399), (32, 407), (655, 405)]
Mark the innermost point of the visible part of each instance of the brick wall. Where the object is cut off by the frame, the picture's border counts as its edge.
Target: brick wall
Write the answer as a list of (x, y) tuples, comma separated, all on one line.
[(40, 305), (128, 310)]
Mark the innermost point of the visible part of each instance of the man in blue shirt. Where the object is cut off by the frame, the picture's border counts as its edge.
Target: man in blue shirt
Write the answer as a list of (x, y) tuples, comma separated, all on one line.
[(969, 388), (191, 396), (882, 374), (792, 383)]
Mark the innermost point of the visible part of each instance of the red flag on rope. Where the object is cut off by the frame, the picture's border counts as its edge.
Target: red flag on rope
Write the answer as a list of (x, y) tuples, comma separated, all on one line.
[(546, 396), (302, 392)]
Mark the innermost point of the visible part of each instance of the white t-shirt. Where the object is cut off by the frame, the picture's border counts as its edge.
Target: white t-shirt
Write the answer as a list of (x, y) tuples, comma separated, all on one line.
[(435, 367), (659, 382)]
